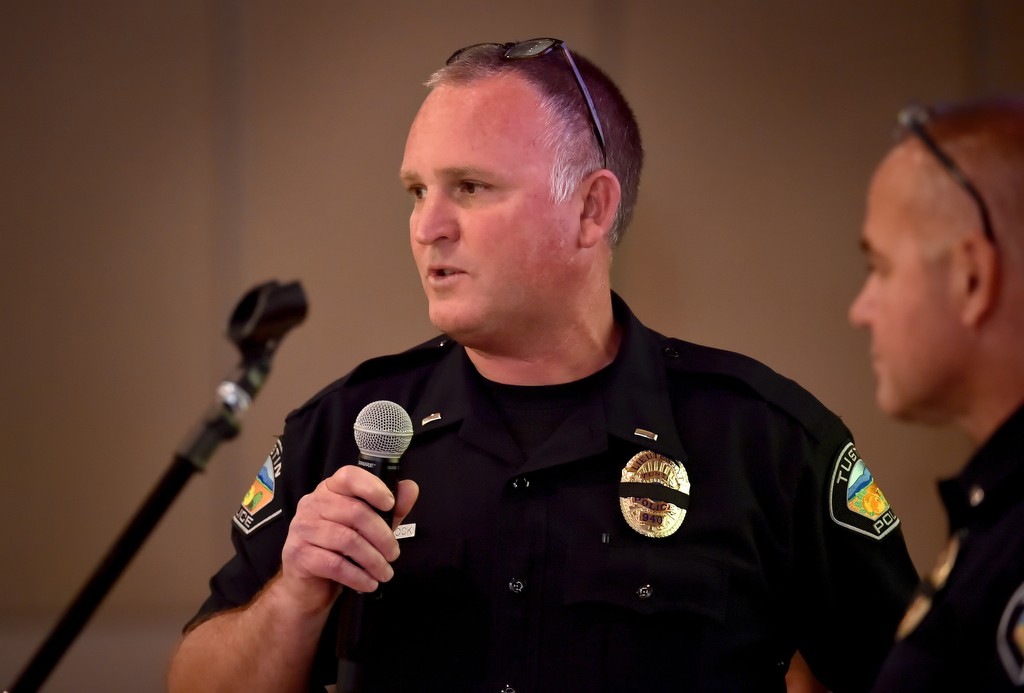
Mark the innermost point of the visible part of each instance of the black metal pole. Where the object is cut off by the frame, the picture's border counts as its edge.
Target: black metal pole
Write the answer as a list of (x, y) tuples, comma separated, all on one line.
[(108, 571), (258, 323)]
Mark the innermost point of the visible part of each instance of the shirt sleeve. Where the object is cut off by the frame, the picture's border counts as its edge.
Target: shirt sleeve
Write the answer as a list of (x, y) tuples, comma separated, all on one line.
[(853, 574), (259, 526)]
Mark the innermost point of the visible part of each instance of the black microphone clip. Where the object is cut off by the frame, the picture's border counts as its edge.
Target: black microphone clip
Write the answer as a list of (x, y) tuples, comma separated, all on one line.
[(264, 316), (259, 322)]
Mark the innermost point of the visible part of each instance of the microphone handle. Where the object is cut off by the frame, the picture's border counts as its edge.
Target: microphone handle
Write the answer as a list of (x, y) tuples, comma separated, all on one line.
[(356, 607), (385, 469)]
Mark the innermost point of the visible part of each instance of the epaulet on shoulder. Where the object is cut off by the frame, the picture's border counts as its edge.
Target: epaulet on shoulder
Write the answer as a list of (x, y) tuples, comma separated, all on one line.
[(776, 389), (427, 352), (391, 364)]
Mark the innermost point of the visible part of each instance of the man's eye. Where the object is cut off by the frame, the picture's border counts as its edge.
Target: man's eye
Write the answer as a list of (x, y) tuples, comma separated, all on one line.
[(417, 191), (470, 187)]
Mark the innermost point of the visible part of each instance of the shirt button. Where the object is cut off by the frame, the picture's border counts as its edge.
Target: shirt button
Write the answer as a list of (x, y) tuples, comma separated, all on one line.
[(672, 352), (645, 591), (975, 496), (520, 483), (516, 586)]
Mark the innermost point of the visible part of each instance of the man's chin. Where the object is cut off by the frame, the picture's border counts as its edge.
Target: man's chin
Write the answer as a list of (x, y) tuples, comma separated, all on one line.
[(456, 324), (906, 411), (890, 405)]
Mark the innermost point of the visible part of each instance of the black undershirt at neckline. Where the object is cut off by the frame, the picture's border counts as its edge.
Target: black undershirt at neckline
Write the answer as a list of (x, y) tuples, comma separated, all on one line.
[(534, 412)]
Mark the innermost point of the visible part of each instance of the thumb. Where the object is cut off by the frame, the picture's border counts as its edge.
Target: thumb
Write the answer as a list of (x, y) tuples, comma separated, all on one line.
[(408, 492)]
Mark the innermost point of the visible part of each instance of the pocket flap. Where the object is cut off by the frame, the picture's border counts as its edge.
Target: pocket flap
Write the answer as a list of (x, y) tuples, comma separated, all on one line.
[(647, 582)]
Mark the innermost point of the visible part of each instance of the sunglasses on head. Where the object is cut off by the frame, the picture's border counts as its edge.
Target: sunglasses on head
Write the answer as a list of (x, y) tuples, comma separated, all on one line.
[(535, 48), (913, 120)]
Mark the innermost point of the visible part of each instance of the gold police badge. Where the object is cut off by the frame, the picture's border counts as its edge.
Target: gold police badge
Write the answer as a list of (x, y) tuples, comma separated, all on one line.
[(654, 493)]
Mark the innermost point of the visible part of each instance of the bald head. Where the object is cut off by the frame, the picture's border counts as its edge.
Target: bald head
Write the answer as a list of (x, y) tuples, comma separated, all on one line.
[(985, 139)]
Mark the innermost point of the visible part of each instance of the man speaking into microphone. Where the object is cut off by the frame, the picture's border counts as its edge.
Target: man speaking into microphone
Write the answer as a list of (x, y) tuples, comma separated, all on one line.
[(585, 504)]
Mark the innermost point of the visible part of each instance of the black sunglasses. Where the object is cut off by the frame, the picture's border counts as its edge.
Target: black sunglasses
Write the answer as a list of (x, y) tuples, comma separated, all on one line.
[(913, 119), (535, 48)]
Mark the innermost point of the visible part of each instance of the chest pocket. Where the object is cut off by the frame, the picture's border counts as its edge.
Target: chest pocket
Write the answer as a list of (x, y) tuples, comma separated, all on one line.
[(647, 582)]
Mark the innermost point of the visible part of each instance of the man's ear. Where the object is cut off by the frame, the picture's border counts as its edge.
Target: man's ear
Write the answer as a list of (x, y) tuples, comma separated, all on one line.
[(601, 194), (974, 273)]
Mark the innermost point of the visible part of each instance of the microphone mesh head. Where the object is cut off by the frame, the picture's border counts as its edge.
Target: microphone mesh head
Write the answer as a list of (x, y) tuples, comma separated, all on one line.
[(383, 429)]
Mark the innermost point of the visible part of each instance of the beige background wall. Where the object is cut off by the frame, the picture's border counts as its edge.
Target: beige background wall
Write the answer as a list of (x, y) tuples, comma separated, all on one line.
[(159, 158)]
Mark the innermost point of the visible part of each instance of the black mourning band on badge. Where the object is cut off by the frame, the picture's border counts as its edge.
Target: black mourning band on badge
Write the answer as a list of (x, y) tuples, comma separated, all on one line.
[(632, 489)]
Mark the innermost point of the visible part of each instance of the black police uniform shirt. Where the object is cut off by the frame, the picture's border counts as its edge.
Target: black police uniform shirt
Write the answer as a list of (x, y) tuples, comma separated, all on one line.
[(523, 574), (965, 630)]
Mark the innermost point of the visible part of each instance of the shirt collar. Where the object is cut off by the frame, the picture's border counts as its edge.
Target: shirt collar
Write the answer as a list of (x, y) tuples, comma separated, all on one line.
[(635, 405), (991, 480), (637, 400)]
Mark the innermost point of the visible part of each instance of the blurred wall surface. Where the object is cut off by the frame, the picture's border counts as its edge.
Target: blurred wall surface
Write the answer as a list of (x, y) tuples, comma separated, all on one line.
[(159, 158)]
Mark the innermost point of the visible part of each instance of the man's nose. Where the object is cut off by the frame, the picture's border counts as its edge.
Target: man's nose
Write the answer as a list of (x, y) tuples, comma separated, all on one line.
[(434, 220), (859, 308)]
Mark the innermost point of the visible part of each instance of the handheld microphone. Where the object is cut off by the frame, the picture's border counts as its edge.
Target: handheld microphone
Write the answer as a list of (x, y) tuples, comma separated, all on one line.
[(383, 431)]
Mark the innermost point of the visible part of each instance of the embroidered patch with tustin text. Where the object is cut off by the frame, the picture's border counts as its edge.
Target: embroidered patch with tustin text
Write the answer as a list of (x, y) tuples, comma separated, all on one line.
[(855, 501), (255, 510)]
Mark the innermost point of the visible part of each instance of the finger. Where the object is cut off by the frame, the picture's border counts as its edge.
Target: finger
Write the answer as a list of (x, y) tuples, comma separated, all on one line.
[(354, 513), (331, 567), (348, 527), (352, 480), (323, 542)]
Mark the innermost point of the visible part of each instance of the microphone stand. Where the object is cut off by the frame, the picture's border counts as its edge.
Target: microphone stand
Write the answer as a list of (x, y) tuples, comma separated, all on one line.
[(257, 325)]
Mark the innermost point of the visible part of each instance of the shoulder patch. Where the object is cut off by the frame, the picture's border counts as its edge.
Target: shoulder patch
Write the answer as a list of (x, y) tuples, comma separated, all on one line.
[(1010, 637), (255, 511), (855, 501)]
